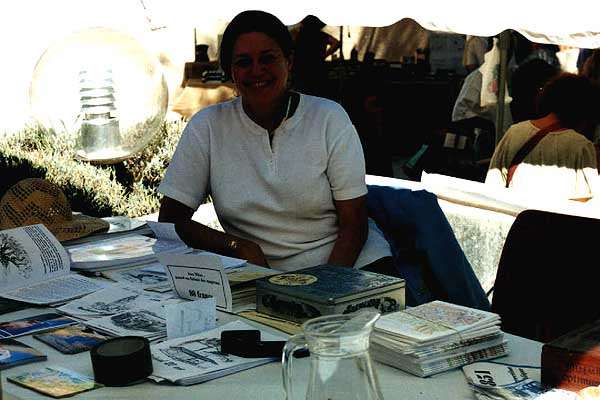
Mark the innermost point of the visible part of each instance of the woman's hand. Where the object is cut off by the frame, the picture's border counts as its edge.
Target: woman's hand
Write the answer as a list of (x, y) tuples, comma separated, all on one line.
[(247, 250)]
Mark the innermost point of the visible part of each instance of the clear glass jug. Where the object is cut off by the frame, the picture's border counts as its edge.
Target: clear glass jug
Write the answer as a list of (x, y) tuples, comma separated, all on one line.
[(339, 354)]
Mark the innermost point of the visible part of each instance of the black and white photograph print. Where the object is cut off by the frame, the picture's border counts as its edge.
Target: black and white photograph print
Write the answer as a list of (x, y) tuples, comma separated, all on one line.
[(13, 258)]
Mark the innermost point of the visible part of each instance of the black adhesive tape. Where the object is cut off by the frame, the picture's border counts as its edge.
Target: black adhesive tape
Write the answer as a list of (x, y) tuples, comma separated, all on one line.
[(121, 361)]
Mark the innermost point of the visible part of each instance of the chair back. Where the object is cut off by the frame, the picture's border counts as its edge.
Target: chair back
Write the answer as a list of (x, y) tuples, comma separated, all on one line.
[(548, 275)]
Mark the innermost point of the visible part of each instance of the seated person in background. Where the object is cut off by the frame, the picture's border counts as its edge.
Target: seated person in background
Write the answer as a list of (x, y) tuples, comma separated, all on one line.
[(562, 164), (285, 170), (468, 102)]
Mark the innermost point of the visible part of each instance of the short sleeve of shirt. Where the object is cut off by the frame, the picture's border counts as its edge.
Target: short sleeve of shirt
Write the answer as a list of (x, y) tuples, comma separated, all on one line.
[(186, 179), (346, 163)]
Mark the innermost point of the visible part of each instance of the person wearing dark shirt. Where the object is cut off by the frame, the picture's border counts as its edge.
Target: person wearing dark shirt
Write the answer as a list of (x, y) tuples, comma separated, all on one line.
[(312, 47)]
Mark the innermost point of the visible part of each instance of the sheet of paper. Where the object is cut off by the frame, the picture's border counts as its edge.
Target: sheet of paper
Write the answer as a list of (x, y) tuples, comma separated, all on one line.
[(57, 290), (164, 231), (112, 301), (228, 263), (197, 276), (120, 223), (138, 277), (190, 317)]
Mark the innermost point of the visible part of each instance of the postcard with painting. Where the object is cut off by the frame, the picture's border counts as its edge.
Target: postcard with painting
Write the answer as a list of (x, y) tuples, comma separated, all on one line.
[(55, 381), (72, 339)]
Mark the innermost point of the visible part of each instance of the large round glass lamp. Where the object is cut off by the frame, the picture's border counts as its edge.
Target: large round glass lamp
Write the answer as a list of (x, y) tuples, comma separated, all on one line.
[(101, 90)]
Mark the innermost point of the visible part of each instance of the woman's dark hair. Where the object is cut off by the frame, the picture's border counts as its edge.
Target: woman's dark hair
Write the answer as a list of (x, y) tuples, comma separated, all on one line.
[(253, 21), (574, 100)]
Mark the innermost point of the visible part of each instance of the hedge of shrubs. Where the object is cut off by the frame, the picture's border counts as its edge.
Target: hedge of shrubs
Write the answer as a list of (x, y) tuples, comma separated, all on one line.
[(126, 188)]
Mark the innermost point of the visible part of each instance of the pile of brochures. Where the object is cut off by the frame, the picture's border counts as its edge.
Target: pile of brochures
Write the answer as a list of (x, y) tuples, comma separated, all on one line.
[(436, 337)]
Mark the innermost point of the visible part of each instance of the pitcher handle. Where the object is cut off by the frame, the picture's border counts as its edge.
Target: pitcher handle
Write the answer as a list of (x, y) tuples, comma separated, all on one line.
[(296, 342)]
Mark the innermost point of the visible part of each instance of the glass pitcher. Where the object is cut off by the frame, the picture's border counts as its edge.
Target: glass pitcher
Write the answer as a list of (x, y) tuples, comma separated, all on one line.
[(339, 354)]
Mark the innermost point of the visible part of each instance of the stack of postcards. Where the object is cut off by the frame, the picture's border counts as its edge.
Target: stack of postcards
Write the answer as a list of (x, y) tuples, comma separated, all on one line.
[(436, 337)]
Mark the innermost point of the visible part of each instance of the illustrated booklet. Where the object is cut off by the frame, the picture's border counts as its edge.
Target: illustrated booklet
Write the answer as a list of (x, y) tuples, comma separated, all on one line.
[(71, 339), (36, 268)]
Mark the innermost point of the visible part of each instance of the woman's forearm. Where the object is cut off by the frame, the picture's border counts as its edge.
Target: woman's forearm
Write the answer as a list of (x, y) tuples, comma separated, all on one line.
[(347, 248), (200, 236)]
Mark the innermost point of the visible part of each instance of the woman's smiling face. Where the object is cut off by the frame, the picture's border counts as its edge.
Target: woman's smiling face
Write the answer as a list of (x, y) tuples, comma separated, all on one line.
[(260, 70)]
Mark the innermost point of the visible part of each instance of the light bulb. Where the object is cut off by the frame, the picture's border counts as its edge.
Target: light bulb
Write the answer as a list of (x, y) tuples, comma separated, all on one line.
[(99, 129), (103, 91)]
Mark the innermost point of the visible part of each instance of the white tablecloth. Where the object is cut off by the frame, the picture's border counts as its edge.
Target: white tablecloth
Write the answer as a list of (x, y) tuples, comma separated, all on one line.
[(263, 382)]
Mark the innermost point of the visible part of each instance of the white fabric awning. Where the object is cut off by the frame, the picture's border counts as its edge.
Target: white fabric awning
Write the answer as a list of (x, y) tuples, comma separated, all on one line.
[(572, 23)]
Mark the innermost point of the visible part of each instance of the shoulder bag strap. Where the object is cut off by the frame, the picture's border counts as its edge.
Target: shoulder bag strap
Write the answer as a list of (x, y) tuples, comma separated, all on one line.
[(527, 147)]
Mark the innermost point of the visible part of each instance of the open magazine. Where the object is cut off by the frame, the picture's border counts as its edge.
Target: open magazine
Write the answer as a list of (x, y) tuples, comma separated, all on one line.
[(36, 268)]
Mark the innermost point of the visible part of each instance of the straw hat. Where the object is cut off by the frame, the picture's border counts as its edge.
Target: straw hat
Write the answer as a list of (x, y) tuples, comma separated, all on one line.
[(37, 201)]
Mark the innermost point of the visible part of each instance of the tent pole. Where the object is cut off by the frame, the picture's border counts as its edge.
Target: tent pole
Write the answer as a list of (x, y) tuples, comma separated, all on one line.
[(503, 44)]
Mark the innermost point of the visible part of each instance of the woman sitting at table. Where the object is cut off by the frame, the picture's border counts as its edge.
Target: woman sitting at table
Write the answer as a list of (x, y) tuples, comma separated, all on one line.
[(285, 170), (552, 155)]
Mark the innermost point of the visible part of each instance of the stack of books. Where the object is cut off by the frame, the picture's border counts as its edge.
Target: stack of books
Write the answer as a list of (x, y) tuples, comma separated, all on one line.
[(242, 281), (436, 337), (121, 252)]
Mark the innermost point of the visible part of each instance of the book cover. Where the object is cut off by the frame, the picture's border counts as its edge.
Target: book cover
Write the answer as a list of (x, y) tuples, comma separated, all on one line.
[(72, 339), (572, 361), (55, 381), (328, 283), (13, 353), (36, 323)]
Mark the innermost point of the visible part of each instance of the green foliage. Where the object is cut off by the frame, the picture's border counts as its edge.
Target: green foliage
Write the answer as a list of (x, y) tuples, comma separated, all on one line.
[(126, 188)]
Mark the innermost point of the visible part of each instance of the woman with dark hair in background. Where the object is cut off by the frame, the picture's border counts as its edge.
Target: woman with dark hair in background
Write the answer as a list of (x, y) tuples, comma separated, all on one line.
[(285, 170), (554, 154)]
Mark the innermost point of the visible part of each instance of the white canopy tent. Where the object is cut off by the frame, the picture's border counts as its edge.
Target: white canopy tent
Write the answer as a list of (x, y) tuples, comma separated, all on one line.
[(28, 27)]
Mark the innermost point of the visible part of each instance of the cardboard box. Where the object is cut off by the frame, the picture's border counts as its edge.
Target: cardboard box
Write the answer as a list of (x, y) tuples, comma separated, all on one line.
[(572, 361), (325, 290)]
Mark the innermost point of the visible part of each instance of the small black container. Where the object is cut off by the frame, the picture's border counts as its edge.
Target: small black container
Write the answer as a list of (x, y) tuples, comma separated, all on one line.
[(121, 361)]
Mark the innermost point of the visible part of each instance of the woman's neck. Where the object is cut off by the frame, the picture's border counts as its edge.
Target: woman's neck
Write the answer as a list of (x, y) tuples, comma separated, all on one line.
[(545, 121), (269, 117)]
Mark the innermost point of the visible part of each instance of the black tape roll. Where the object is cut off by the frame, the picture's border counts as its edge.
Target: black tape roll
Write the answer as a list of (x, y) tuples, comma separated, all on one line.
[(121, 361)]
